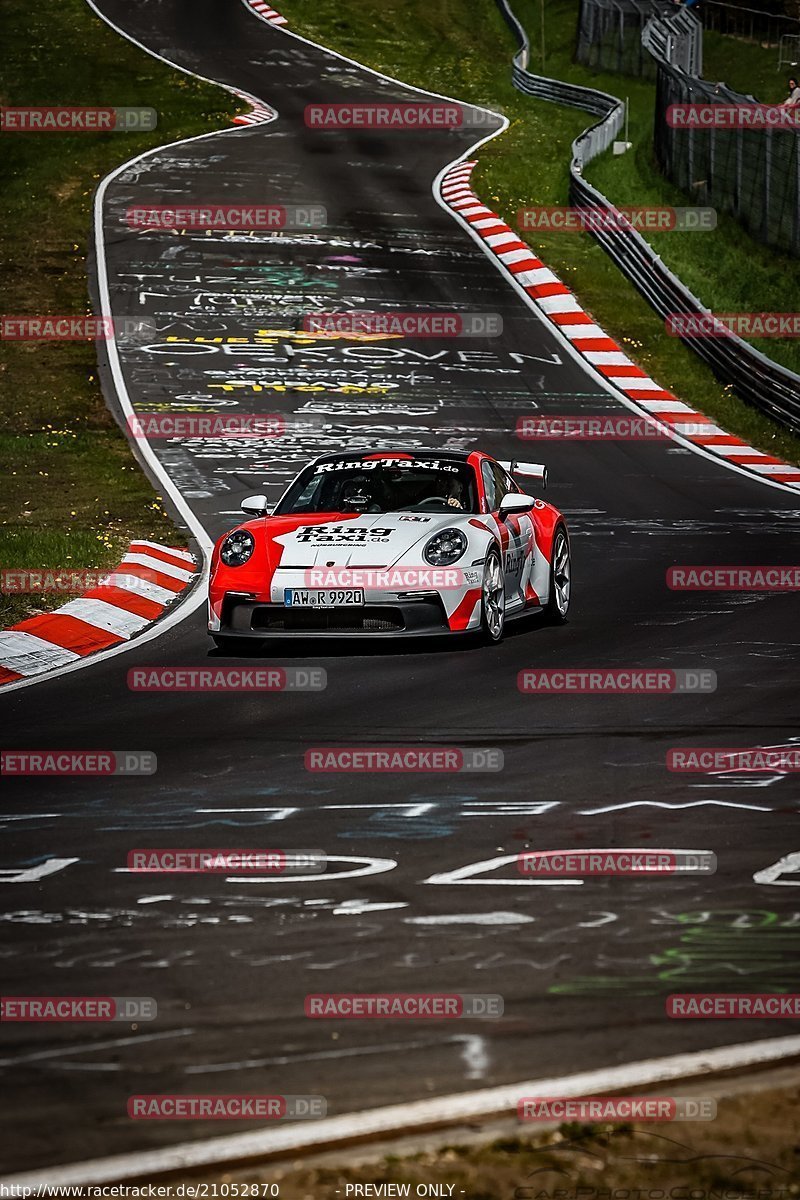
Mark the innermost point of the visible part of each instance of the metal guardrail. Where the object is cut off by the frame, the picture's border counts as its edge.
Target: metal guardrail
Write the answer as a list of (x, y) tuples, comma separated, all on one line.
[(676, 39), (610, 109), (758, 380)]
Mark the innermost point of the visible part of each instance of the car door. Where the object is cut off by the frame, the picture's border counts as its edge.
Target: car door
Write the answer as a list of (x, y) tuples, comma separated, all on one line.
[(516, 534)]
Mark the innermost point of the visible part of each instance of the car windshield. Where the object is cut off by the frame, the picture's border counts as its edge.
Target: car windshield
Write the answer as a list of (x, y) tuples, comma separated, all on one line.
[(381, 486)]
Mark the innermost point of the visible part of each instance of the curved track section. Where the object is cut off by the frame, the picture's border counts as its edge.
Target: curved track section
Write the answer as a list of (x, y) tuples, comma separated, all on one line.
[(423, 897)]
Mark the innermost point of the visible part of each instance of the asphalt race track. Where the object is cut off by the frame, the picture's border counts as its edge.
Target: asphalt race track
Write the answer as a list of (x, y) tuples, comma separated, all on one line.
[(584, 969)]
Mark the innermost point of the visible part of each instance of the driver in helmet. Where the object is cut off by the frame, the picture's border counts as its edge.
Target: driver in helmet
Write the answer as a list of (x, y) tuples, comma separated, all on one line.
[(356, 497)]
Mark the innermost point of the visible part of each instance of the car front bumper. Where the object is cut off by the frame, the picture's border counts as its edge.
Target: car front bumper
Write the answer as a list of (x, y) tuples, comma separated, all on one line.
[(389, 618)]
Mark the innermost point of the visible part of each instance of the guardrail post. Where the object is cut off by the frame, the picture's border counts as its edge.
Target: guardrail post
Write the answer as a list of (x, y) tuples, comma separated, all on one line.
[(767, 181), (690, 156)]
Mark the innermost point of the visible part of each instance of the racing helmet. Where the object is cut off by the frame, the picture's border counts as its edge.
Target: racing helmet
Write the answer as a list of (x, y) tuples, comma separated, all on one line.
[(356, 495)]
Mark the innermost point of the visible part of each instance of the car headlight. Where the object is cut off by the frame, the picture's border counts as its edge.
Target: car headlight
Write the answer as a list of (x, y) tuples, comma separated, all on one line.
[(445, 548), (237, 548)]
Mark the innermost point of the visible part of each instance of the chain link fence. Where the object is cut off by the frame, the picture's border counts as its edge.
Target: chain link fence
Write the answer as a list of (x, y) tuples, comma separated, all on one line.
[(610, 33), (748, 24), (753, 174)]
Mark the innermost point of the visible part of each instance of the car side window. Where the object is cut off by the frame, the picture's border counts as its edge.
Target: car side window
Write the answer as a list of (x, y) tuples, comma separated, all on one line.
[(503, 484), (489, 486)]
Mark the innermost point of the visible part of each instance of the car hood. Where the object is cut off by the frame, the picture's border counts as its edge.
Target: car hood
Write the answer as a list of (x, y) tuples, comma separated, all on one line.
[(370, 540)]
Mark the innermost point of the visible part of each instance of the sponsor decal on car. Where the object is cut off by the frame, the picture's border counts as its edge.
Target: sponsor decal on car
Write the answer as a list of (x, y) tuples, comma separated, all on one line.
[(342, 534), (370, 464)]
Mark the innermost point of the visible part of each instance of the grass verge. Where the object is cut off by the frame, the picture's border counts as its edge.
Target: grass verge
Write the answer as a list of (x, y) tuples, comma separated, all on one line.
[(463, 49), (71, 494), (746, 66)]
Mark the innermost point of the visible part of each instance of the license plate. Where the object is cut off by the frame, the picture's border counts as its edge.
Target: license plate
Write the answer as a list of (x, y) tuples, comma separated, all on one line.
[(321, 597)]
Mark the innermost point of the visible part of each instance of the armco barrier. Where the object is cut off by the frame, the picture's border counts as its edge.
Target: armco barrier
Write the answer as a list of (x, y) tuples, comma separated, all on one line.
[(758, 380), (600, 104), (675, 38)]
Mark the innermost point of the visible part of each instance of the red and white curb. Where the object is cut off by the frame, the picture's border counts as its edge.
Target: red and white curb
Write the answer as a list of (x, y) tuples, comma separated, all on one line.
[(262, 113), (267, 12), (599, 351), (148, 580)]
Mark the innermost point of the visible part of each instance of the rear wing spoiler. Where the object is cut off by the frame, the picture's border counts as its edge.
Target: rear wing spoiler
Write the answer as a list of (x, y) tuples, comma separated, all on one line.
[(537, 471)]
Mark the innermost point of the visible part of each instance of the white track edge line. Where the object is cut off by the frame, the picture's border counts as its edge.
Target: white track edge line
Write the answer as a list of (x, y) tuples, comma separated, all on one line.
[(184, 607), (372, 70), (402, 1119), (196, 599), (189, 605), (638, 1074)]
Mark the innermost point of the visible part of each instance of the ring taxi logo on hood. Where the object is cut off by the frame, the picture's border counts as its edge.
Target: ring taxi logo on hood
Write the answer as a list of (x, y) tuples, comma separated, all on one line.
[(342, 535)]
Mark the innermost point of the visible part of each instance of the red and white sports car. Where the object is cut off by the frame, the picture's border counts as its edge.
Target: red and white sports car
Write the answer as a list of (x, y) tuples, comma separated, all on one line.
[(390, 544)]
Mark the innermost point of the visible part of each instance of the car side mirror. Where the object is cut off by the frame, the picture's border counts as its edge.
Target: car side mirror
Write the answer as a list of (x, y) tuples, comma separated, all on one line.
[(515, 502), (255, 506)]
